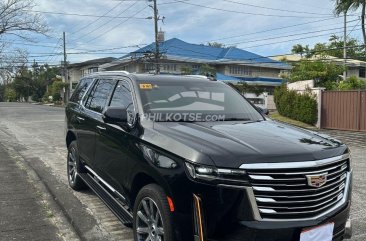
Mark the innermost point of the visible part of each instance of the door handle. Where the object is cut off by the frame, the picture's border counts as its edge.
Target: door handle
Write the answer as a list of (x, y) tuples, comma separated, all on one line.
[(101, 128), (80, 118)]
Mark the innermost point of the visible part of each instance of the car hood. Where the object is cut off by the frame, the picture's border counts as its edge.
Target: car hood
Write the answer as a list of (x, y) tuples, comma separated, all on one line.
[(230, 144)]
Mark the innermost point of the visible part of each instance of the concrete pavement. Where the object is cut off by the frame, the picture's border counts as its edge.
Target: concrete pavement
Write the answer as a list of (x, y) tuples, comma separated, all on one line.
[(22, 215), (36, 133)]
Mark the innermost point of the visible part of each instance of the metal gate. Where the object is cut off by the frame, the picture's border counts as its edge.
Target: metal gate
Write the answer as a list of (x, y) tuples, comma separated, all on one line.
[(343, 110)]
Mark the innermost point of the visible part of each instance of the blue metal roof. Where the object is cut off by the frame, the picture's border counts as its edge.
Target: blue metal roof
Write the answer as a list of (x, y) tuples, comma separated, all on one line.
[(223, 77), (176, 48)]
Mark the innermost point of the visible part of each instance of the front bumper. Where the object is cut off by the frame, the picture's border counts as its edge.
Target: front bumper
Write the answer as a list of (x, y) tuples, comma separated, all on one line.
[(256, 232), (230, 213)]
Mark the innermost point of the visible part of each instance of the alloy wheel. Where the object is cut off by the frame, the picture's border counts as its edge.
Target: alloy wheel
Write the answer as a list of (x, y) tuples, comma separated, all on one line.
[(149, 222), (71, 165)]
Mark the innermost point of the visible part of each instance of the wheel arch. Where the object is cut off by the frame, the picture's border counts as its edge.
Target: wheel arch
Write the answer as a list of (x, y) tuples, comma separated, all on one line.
[(142, 179), (70, 137)]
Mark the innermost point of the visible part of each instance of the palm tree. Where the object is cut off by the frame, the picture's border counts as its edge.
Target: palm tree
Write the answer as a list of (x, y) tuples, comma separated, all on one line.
[(343, 6)]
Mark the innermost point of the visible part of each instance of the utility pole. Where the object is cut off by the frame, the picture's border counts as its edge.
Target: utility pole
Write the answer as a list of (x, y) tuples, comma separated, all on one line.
[(157, 52), (65, 69), (345, 47)]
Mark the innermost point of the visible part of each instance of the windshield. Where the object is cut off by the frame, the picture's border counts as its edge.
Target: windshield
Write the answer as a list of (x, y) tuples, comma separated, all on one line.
[(176, 100)]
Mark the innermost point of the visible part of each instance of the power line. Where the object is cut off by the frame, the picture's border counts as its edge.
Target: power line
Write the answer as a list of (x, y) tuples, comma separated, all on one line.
[(117, 25), (247, 13), (101, 26), (271, 30), (83, 15), (96, 20), (284, 36), (354, 27), (291, 40), (276, 9), (28, 44)]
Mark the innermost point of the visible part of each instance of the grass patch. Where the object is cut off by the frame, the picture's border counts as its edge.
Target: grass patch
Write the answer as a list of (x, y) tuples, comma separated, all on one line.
[(278, 117)]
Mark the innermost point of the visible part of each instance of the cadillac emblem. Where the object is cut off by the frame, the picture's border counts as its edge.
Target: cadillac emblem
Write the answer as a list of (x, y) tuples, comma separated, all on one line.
[(317, 180)]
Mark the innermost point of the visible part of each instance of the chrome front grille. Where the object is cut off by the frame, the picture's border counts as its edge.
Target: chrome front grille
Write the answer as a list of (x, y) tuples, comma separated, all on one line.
[(282, 190)]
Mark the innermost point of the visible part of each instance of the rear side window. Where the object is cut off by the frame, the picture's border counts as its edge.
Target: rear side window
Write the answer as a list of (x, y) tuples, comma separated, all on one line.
[(98, 97), (80, 90)]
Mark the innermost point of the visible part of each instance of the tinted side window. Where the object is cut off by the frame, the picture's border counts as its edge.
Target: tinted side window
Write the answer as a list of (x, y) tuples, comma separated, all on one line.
[(80, 90), (122, 96), (99, 96)]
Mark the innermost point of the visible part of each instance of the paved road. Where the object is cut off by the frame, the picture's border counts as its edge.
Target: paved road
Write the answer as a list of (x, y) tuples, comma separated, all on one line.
[(37, 134)]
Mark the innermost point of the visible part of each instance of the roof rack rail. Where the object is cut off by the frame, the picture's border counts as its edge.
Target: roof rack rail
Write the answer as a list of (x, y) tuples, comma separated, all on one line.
[(196, 75), (211, 77)]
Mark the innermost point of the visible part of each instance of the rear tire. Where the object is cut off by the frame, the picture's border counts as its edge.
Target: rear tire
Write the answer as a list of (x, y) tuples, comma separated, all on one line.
[(152, 216), (74, 167)]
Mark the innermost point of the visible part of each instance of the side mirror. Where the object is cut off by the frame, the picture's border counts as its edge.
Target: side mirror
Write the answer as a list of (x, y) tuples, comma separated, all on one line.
[(264, 111), (115, 115)]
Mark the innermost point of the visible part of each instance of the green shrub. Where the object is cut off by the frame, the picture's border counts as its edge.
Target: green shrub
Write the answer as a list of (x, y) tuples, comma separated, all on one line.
[(352, 83), (301, 107), (10, 94), (56, 97)]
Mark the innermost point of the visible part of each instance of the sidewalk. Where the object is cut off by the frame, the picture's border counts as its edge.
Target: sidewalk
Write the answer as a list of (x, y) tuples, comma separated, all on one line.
[(22, 216)]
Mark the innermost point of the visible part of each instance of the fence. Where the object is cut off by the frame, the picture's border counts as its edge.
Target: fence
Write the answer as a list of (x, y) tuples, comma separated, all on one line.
[(343, 110)]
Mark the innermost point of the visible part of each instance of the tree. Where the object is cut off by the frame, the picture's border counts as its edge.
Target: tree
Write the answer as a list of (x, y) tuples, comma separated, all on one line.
[(299, 49), (207, 70), (324, 73), (352, 83), (2, 92), (343, 6), (334, 47), (216, 44), (186, 69), (17, 19), (10, 94)]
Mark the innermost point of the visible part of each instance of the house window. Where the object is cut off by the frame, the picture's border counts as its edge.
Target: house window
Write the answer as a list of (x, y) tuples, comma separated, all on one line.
[(362, 73), (240, 70), (149, 67), (92, 70), (169, 67)]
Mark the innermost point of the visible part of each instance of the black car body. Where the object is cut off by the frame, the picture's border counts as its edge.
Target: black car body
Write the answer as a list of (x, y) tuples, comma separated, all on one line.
[(238, 178)]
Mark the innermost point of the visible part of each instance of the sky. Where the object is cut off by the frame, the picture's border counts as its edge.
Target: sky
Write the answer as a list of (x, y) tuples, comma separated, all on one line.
[(112, 28)]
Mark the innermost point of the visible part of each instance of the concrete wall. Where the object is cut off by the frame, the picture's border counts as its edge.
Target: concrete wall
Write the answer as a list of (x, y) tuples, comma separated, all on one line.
[(270, 103), (265, 98), (301, 85), (75, 75)]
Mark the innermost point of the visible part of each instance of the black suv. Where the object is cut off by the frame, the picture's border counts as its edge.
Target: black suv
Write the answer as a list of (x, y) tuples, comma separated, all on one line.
[(189, 158)]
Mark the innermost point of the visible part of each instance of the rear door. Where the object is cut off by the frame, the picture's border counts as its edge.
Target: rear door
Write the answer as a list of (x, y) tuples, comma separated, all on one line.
[(115, 148), (91, 118), (77, 118)]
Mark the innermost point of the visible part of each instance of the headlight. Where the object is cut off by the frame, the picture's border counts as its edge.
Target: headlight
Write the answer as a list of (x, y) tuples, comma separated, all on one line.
[(216, 175), (158, 159)]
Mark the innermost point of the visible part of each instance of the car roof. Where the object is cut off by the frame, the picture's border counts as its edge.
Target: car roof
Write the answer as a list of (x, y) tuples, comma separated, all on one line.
[(150, 77)]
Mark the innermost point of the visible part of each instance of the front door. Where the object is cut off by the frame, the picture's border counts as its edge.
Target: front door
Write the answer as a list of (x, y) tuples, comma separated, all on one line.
[(114, 144)]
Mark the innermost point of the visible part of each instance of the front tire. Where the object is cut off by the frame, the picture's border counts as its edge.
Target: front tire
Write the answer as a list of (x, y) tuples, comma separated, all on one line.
[(152, 216), (74, 168)]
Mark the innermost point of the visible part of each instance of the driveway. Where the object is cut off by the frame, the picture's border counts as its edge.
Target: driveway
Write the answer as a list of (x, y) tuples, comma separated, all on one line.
[(357, 143)]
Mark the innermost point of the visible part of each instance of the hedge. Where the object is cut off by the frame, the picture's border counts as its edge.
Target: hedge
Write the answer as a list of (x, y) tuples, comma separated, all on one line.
[(302, 107)]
